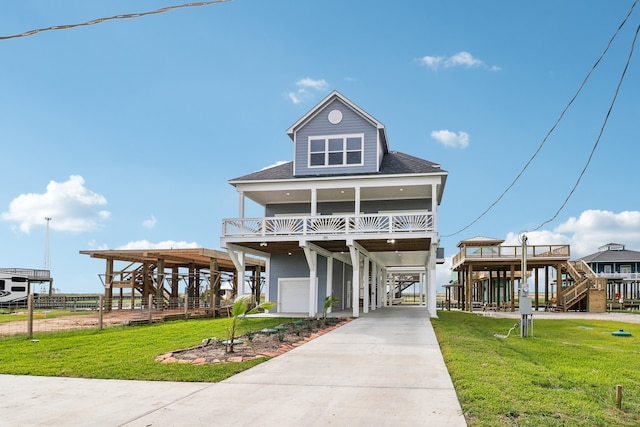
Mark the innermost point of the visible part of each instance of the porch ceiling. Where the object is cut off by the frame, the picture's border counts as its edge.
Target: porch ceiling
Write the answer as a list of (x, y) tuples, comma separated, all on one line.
[(337, 194), (399, 253)]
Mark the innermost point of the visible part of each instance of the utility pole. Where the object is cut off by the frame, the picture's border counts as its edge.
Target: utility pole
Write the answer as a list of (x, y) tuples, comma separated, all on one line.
[(524, 300)]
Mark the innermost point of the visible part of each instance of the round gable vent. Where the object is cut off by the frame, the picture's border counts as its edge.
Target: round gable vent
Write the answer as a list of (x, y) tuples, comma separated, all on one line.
[(335, 117)]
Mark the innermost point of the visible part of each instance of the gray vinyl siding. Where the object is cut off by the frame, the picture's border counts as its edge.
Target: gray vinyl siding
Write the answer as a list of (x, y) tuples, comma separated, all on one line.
[(352, 123), (285, 266), (367, 207)]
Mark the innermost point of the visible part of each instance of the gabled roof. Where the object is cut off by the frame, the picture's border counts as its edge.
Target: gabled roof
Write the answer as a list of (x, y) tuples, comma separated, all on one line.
[(623, 255), (393, 163), (329, 99)]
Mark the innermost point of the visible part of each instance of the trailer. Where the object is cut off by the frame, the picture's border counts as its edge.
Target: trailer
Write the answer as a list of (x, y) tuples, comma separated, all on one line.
[(13, 290)]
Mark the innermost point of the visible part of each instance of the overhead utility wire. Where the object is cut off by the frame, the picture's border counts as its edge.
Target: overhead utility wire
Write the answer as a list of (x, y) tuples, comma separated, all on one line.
[(110, 18), (604, 124), (560, 117)]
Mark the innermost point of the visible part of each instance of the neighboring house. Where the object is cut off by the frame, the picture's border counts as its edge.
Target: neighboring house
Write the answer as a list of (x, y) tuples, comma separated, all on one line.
[(344, 218), (621, 268)]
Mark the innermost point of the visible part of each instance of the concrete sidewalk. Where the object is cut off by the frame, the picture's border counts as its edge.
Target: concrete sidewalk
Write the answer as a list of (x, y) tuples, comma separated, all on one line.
[(384, 368)]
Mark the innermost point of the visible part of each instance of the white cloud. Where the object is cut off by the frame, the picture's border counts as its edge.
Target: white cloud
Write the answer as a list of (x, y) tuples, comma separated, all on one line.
[(305, 90), (460, 59), (451, 139), (149, 223), (167, 244), (70, 204), (594, 228)]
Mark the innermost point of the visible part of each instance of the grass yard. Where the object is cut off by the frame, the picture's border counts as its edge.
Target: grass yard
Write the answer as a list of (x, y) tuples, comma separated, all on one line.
[(566, 375), (124, 352)]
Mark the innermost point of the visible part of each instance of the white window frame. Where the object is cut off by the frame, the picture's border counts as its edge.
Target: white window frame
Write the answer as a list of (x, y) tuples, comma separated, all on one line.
[(344, 150)]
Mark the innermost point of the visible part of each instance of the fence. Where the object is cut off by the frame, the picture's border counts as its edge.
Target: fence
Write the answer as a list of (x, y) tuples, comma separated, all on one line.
[(63, 313)]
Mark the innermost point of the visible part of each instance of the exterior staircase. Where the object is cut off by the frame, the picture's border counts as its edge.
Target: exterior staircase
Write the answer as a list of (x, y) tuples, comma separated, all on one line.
[(579, 278)]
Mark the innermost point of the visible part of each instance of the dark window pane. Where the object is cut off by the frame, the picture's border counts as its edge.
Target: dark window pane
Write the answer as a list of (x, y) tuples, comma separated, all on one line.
[(18, 288), (354, 158), (354, 143), (317, 159), (317, 145), (336, 144), (335, 158)]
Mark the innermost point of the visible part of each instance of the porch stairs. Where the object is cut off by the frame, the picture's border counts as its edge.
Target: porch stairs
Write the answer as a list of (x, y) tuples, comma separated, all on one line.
[(399, 284), (578, 279)]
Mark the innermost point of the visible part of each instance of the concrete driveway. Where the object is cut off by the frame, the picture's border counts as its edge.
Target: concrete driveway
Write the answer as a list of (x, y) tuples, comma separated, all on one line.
[(382, 369)]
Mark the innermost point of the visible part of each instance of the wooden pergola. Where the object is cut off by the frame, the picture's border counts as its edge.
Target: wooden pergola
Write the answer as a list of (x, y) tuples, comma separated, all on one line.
[(488, 272), (159, 272)]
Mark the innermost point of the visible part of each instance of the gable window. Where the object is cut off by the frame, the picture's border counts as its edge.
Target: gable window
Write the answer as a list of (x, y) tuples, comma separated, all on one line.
[(336, 150)]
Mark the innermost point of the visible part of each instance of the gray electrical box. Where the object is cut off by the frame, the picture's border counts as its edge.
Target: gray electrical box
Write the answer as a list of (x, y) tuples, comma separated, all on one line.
[(525, 305)]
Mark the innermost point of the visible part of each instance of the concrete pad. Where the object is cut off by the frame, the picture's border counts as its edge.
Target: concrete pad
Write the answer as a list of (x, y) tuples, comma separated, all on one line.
[(384, 368)]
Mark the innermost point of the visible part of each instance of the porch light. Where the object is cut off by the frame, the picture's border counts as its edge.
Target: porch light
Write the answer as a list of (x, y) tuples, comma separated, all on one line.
[(263, 244), (391, 241)]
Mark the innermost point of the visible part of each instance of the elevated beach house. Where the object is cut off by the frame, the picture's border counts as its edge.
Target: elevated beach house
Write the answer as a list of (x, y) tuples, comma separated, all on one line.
[(344, 219), (621, 269)]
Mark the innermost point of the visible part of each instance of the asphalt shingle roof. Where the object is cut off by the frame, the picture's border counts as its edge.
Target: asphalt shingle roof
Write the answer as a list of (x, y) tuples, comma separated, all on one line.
[(613, 256), (393, 163)]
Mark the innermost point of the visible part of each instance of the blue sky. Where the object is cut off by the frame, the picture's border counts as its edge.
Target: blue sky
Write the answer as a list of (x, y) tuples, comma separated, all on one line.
[(126, 132)]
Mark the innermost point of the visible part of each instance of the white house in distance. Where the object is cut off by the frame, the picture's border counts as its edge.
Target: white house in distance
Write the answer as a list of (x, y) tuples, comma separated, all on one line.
[(346, 218)]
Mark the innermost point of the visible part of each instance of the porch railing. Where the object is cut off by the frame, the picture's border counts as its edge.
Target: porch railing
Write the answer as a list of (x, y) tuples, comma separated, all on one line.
[(328, 225), (510, 252)]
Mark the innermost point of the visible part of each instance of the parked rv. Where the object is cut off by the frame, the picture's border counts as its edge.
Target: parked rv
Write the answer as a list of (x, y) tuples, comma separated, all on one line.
[(13, 290)]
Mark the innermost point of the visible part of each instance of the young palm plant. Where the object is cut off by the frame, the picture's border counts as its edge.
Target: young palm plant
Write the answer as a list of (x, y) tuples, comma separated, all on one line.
[(240, 309), (328, 302)]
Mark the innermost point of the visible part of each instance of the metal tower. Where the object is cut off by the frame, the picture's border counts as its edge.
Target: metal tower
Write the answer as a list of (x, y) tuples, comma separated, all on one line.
[(47, 258)]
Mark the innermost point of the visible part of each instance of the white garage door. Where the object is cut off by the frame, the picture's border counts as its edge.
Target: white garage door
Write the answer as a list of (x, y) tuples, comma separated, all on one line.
[(293, 295)]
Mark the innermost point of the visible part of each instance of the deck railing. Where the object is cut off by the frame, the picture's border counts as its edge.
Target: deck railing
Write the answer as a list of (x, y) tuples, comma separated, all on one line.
[(623, 276), (497, 253), (328, 225)]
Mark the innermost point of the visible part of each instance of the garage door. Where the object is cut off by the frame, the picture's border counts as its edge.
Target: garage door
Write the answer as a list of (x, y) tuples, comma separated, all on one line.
[(293, 295)]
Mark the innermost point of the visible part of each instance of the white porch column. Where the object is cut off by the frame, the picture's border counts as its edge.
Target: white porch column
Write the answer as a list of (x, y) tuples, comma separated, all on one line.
[(238, 259), (381, 287), (421, 299), (329, 280), (374, 285), (357, 201), (366, 286), (240, 204), (355, 283), (312, 260), (434, 205), (431, 283), (314, 202)]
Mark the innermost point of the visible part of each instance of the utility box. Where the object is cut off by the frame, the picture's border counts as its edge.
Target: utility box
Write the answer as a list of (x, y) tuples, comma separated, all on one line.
[(525, 305)]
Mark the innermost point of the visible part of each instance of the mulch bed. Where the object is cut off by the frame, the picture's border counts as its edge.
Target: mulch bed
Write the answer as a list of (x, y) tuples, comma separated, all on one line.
[(265, 343)]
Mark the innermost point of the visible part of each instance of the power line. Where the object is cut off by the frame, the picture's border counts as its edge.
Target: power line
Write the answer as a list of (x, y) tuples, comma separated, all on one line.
[(110, 18), (604, 124), (555, 125)]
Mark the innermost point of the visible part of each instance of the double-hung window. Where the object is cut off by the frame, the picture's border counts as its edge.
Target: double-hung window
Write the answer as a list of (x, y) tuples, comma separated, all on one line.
[(335, 150)]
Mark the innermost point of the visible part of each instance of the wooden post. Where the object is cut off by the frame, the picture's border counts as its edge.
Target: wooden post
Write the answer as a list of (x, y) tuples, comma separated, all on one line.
[(30, 316), (100, 311), (619, 396)]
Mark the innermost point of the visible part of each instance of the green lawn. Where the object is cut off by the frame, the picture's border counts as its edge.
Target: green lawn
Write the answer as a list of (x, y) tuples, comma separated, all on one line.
[(124, 352), (566, 375)]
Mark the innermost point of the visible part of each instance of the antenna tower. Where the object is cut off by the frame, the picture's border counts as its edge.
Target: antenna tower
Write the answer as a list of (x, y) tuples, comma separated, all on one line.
[(47, 259), (46, 265)]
